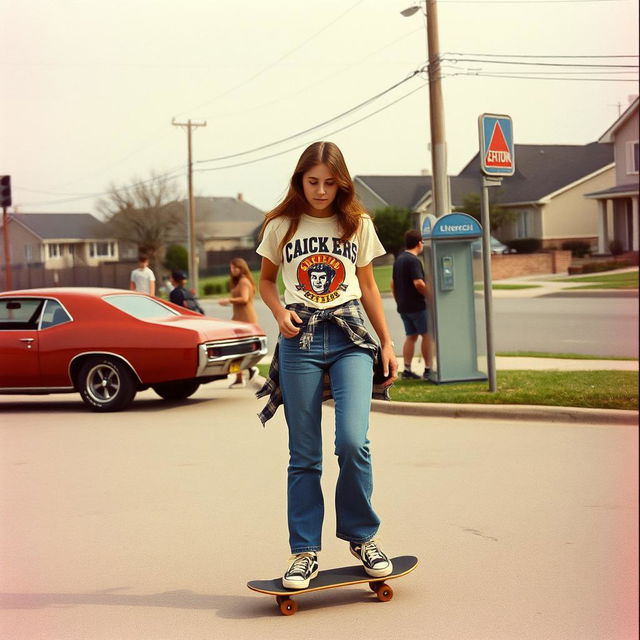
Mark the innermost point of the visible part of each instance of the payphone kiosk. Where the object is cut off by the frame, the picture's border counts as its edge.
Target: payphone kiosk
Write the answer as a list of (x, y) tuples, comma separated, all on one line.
[(456, 311)]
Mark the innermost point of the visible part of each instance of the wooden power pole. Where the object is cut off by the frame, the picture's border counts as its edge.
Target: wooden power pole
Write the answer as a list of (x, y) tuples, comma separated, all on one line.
[(193, 245)]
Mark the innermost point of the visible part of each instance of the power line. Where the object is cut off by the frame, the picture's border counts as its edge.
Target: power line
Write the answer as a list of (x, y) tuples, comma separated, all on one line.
[(299, 146), (275, 62), (543, 64), (517, 55), (540, 77), (169, 175), (526, 1), (317, 126)]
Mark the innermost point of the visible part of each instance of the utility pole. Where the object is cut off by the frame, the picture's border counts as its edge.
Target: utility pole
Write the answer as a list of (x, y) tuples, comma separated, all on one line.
[(440, 182), (193, 247)]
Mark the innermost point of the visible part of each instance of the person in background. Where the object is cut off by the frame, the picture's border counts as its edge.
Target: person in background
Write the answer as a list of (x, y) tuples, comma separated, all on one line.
[(242, 292), (142, 278), (180, 295), (409, 290)]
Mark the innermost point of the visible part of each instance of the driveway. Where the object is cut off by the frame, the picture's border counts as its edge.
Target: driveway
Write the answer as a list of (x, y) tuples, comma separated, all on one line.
[(147, 524)]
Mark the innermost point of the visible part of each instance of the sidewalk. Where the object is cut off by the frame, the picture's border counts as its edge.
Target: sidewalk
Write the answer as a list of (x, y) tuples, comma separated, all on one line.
[(556, 284)]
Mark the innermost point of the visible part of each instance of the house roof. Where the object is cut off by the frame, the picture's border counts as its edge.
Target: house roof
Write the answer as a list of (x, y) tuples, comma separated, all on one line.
[(61, 226), (618, 190), (222, 209), (545, 169), (610, 133), (541, 170), (220, 230), (398, 191)]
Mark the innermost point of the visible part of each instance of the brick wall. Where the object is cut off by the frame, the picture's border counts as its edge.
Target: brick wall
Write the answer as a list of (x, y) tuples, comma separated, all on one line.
[(529, 264)]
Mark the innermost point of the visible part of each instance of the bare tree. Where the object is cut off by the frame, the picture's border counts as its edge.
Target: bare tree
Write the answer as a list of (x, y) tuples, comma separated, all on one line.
[(147, 213)]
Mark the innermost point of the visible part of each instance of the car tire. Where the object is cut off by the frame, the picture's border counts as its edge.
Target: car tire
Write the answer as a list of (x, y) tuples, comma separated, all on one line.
[(106, 384), (179, 390)]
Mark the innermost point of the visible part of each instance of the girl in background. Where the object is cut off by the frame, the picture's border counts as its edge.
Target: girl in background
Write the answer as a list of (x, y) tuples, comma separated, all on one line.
[(242, 292)]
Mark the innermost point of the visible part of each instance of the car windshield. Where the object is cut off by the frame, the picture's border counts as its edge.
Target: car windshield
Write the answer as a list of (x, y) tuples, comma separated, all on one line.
[(140, 307)]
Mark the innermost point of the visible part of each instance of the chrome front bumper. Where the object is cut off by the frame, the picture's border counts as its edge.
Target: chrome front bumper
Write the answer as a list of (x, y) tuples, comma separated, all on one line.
[(222, 357)]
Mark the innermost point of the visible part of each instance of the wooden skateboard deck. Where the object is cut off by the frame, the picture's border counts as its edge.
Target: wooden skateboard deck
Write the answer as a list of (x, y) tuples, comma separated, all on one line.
[(339, 577)]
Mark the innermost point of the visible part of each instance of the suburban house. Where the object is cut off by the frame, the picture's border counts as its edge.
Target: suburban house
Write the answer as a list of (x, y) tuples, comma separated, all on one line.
[(58, 240), (546, 192), (225, 227), (618, 218)]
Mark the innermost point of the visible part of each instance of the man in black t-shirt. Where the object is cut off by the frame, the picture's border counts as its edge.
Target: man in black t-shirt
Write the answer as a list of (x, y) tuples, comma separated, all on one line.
[(410, 290)]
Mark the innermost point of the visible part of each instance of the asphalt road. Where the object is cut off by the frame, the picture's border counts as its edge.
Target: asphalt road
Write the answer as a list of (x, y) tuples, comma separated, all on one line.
[(591, 325), (146, 525)]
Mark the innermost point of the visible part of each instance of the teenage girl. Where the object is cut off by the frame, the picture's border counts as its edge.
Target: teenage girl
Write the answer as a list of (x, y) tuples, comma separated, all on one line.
[(323, 241), (242, 292)]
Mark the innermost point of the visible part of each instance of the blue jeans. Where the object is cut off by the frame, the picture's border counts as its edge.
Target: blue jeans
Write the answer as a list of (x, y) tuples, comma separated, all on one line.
[(351, 371)]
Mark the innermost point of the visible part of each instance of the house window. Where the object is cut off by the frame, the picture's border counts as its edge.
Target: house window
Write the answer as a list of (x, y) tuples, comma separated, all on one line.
[(28, 253), (633, 157), (523, 224), (55, 250), (102, 249)]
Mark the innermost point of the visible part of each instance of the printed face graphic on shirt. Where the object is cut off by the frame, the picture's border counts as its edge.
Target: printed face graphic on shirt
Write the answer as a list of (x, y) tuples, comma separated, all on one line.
[(321, 278)]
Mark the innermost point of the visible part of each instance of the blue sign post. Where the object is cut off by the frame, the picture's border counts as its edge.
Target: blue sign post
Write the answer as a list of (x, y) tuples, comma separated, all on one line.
[(497, 160)]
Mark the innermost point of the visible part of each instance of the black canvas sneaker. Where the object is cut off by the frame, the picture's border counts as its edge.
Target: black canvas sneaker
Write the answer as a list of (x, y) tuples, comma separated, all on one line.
[(302, 569), (426, 374), (407, 374), (375, 562)]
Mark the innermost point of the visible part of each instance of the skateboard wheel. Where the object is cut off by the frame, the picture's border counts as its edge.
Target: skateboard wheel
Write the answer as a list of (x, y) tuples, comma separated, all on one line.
[(286, 605), (384, 593), (374, 586)]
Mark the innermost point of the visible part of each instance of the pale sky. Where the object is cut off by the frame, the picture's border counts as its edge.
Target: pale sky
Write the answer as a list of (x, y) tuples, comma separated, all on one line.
[(89, 88)]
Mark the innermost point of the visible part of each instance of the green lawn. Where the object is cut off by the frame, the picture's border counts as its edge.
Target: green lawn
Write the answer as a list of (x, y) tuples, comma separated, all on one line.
[(589, 389), (625, 280), (594, 389), (561, 356)]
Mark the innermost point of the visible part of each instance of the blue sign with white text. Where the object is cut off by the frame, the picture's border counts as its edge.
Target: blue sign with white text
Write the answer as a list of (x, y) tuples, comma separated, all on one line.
[(496, 145), (452, 225)]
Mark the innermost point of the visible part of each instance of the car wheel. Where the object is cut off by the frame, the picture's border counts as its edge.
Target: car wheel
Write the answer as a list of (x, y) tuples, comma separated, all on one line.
[(179, 390), (106, 384)]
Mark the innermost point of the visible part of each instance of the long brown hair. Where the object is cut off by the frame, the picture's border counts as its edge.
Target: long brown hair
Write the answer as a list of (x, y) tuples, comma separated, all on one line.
[(245, 272), (346, 204)]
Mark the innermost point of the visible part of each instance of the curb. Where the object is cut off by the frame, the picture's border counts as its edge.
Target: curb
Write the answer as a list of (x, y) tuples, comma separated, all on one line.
[(575, 415), (526, 412)]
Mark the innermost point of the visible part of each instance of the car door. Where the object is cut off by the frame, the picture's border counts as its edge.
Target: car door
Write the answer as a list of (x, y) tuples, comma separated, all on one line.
[(19, 367)]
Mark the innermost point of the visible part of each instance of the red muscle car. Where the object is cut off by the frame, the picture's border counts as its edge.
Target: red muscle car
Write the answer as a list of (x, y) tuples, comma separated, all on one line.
[(107, 344)]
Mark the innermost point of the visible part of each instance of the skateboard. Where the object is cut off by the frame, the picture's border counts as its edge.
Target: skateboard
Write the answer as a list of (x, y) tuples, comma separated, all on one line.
[(330, 578)]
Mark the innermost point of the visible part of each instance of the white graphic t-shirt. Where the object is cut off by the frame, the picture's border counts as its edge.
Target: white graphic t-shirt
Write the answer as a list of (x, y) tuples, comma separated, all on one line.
[(317, 269)]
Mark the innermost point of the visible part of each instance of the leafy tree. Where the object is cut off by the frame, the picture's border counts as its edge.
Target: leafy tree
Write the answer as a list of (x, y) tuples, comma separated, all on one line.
[(147, 212), (176, 258), (391, 224), (498, 215)]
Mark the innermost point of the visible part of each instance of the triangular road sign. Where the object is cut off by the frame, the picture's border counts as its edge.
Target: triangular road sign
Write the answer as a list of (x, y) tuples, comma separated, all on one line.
[(498, 153), (496, 145)]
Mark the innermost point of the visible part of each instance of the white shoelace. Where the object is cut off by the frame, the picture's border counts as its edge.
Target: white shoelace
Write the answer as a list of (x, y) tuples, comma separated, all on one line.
[(301, 566), (372, 554)]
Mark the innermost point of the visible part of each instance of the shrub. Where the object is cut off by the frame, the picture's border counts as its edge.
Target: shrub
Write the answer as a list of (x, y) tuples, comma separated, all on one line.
[(616, 248), (525, 245), (578, 248), (596, 267)]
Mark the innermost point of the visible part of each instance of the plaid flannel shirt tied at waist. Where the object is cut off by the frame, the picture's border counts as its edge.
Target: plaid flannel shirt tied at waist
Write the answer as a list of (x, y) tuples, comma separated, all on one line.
[(349, 318)]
